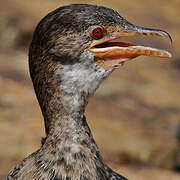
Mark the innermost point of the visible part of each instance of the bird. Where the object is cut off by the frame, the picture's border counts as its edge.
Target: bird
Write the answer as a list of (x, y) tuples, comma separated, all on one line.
[(73, 50)]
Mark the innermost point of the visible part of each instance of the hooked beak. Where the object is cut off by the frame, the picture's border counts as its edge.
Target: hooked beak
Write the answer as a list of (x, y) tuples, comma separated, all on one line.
[(110, 52)]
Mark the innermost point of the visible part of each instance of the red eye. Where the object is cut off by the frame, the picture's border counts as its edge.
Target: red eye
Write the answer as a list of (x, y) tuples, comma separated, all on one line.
[(97, 32)]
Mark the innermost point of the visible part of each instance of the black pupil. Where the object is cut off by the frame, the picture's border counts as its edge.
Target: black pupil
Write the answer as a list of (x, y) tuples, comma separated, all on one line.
[(98, 32)]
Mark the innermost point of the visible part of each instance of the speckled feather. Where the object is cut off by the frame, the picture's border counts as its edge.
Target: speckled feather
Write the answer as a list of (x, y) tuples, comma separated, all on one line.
[(65, 76)]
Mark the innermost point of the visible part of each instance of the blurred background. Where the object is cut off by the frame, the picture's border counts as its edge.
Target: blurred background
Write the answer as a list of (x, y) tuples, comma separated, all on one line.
[(134, 115)]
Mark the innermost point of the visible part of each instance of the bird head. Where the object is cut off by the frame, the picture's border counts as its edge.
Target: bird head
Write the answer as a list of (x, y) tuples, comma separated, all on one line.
[(79, 45)]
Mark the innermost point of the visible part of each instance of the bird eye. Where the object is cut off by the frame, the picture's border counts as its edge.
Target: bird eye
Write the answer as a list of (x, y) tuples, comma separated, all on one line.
[(97, 32)]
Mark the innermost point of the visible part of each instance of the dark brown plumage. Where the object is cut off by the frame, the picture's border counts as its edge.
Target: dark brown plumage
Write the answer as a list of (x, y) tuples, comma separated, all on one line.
[(66, 70)]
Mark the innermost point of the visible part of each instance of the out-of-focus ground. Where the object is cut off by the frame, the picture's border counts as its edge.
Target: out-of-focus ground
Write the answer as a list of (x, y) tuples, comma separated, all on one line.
[(135, 114)]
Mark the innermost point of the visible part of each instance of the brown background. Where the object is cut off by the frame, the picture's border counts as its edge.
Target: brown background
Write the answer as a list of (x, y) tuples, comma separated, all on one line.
[(135, 114)]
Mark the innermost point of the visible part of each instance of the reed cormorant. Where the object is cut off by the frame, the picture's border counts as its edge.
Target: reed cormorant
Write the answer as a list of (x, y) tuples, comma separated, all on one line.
[(74, 48)]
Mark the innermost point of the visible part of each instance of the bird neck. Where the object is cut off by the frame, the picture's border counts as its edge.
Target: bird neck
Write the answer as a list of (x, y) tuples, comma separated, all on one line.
[(65, 121), (62, 102), (63, 91), (64, 112)]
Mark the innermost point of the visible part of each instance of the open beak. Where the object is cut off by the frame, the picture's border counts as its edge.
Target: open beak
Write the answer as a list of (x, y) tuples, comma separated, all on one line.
[(110, 52)]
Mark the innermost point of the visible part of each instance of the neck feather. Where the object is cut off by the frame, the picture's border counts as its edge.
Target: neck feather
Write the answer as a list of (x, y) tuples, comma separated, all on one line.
[(63, 91)]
